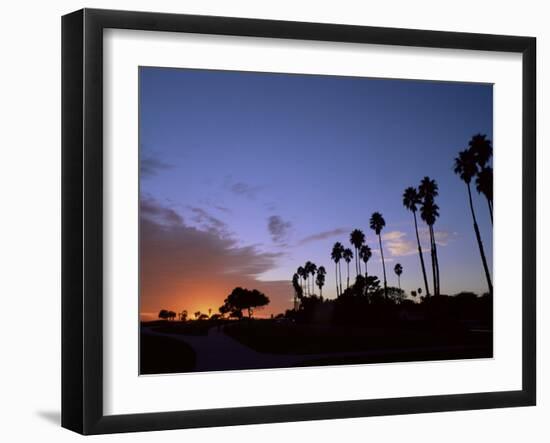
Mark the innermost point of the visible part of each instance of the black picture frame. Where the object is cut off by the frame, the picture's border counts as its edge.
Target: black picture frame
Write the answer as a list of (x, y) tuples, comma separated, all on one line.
[(82, 218)]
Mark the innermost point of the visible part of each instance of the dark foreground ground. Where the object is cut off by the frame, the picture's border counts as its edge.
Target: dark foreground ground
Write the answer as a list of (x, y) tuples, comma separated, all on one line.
[(194, 346)]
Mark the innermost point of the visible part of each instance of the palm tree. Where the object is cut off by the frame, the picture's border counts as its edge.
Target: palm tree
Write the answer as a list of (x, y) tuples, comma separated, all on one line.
[(411, 200), (377, 223), (357, 238), (307, 271), (301, 272), (336, 255), (312, 271), (398, 269), (429, 212), (347, 255), (321, 272), (298, 291), (365, 254), (465, 167), (482, 150), (484, 185)]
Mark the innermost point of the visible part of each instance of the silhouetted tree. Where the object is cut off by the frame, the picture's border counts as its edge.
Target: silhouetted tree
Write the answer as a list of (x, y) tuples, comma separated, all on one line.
[(183, 315), (411, 201), (347, 255), (298, 291), (377, 223), (429, 212), (301, 273), (312, 270), (164, 314), (307, 271), (224, 309), (172, 315), (482, 150), (398, 269), (465, 167), (321, 272), (357, 238), (197, 314), (365, 254), (241, 299), (336, 255)]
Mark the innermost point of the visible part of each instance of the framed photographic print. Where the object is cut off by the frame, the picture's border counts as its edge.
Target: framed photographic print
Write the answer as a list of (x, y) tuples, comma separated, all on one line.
[(281, 221)]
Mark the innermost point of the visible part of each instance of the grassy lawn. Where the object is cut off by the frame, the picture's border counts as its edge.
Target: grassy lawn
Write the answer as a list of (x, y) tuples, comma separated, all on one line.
[(290, 338), (163, 355)]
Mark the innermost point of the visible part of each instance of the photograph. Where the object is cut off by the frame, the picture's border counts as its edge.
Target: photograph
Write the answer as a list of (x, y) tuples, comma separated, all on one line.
[(292, 220)]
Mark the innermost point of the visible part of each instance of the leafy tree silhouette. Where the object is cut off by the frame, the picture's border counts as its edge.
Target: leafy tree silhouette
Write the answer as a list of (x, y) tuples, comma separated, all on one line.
[(244, 299), (311, 268), (347, 255), (336, 255), (398, 269), (164, 314), (411, 201), (357, 238), (429, 212), (377, 223), (465, 167)]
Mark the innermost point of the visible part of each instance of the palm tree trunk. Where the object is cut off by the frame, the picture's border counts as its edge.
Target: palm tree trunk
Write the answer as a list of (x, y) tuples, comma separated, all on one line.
[(347, 285), (421, 256), (383, 267), (336, 267), (480, 243), (360, 272), (490, 209), (436, 262), (340, 272), (399, 281), (433, 259)]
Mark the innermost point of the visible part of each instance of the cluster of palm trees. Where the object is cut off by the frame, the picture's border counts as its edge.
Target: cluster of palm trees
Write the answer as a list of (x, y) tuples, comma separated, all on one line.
[(305, 283), (423, 198), (363, 253), (473, 162)]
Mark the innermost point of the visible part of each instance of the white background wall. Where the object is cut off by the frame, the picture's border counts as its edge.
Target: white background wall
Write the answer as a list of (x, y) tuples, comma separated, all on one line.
[(30, 218)]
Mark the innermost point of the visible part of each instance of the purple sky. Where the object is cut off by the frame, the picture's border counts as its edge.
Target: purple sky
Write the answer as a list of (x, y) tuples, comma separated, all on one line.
[(269, 170)]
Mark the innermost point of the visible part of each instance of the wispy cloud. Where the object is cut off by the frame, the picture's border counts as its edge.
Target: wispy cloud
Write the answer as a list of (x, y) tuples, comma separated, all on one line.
[(323, 235), (241, 188), (399, 244), (278, 228), (150, 166), (208, 222), (150, 209)]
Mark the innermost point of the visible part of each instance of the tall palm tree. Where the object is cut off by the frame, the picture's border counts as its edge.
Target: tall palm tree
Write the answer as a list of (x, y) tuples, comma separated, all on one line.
[(357, 238), (482, 150), (347, 255), (297, 289), (301, 272), (377, 223), (336, 255), (465, 168), (398, 269), (365, 254), (484, 185), (307, 271), (312, 271), (411, 200), (321, 272), (429, 212)]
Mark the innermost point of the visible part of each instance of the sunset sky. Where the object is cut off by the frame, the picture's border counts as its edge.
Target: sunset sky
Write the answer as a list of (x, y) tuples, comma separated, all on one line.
[(245, 176)]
